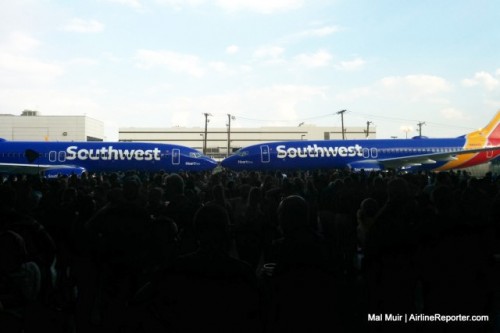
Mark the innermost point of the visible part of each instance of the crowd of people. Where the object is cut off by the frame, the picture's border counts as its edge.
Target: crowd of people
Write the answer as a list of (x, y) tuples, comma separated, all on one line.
[(320, 251)]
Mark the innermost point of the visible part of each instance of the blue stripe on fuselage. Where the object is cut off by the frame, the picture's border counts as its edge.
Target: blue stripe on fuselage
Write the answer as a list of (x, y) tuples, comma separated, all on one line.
[(334, 153), (106, 156)]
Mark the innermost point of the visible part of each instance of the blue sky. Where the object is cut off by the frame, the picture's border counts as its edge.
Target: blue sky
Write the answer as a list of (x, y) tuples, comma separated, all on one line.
[(160, 63)]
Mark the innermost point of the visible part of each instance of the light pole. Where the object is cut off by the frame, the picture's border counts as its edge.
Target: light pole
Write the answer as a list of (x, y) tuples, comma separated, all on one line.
[(341, 112), (368, 123), (420, 124), (205, 137), (229, 118), (406, 129)]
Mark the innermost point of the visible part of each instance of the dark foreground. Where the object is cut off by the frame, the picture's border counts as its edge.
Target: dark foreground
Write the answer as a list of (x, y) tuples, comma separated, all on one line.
[(249, 252)]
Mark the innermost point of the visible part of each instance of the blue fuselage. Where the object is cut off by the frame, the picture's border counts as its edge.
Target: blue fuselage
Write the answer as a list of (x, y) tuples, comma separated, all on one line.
[(354, 154), (106, 156)]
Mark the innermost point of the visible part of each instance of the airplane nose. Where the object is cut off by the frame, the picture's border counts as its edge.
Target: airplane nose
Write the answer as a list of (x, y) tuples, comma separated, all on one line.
[(209, 164), (229, 162)]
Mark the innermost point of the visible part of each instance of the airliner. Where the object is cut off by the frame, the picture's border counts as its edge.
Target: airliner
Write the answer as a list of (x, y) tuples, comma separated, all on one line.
[(418, 153), (54, 158)]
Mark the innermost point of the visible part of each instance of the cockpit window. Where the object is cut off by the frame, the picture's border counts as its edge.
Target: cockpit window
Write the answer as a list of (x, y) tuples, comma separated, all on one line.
[(241, 152), (195, 155)]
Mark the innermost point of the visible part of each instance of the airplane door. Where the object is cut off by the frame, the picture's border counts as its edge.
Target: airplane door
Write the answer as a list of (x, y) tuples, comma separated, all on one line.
[(62, 156), (52, 156), (374, 152), (176, 156), (489, 154), (265, 157), (366, 152)]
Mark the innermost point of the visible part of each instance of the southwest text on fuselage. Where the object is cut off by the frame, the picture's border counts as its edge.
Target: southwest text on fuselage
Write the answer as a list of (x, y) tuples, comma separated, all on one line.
[(319, 151), (109, 153)]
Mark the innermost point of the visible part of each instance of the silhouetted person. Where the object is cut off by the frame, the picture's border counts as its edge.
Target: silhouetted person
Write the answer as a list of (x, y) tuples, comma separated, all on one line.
[(208, 290), (249, 232), (121, 246), (39, 244), (453, 263), (366, 217), (389, 253), (156, 205), (181, 210), (303, 287), (219, 198), (20, 281)]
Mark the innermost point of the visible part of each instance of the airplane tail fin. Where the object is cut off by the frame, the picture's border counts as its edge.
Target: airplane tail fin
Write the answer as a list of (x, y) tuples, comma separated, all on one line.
[(489, 135)]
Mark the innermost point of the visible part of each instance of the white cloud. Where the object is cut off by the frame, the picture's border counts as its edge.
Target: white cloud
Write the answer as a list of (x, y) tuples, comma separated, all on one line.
[(84, 26), (245, 68), (351, 65), (25, 65), (492, 103), (130, 3), (469, 82), (18, 42), (410, 88), (18, 67), (175, 62), (232, 49), (488, 81), (272, 52), (498, 72), (452, 114), (260, 6), (111, 57), (179, 4), (51, 101), (83, 62), (158, 89), (220, 67), (416, 86), (406, 129), (320, 32), (279, 102), (268, 103), (356, 94), (319, 59), (180, 118)]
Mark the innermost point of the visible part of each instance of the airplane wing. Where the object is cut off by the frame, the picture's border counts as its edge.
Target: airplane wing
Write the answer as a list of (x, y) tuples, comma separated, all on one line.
[(418, 160), (33, 169)]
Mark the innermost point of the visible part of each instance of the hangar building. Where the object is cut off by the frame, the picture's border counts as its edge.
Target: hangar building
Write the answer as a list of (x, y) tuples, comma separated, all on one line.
[(219, 141), (32, 126)]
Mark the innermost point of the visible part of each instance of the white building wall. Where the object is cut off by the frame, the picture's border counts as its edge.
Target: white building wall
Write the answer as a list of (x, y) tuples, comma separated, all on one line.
[(49, 128), (94, 128), (240, 137)]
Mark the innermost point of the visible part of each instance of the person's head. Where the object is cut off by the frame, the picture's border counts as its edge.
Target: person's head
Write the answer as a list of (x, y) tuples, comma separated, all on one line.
[(211, 224), (8, 196), (293, 214), (131, 187), (174, 184), (69, 195), (442, 198), (155, 195), (164, 237), (254, 196), (398, 190), (12, 251), (368, 207), (367, 211), (218, 193)]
